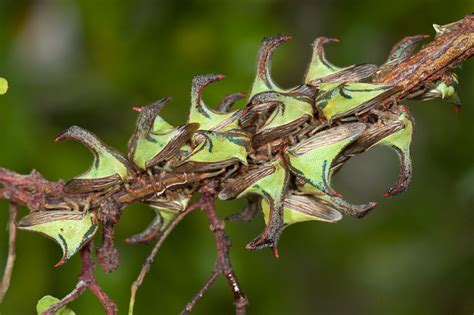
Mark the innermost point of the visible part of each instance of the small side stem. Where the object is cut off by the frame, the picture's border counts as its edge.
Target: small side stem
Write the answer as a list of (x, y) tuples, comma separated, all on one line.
[(11, 251), (149, 260), (223, 265), (86, 281), (109, 306), (189, 307), (81, 286)]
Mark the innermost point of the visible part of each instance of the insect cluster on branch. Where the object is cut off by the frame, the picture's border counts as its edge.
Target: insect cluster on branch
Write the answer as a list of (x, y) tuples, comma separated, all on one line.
[(279, 151)]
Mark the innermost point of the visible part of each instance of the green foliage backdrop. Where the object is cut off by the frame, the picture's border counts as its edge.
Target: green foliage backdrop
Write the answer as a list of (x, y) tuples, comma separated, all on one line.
[(88, 62)]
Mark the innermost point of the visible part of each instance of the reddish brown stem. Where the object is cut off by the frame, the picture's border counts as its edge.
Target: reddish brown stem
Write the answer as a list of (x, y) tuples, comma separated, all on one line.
[(86, 281), (223, 265), (7, 274)]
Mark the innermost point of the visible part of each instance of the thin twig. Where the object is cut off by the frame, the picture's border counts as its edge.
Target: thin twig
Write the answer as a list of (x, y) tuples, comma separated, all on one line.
[(109, 305), (86, 280), (7, 274), (223, 265), (88, 274), (210, 281), (81, 286), (149, 260)]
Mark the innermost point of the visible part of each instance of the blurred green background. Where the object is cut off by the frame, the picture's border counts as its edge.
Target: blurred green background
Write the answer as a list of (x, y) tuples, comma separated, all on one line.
[(89, 62)]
